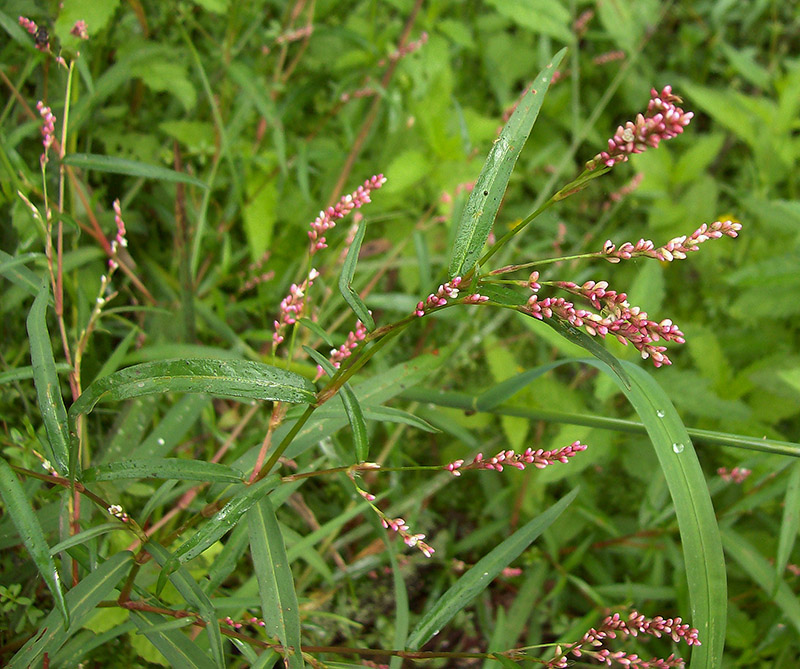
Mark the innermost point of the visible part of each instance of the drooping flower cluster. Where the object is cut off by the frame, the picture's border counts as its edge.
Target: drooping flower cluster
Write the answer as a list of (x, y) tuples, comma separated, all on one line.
[(663, 120), (398, 525), (327, 218), (412, 540), (675, 249), (48, 129), (346, 349), (735, 475), (292, 307), (630, 325), (539, 458), (636, 624)]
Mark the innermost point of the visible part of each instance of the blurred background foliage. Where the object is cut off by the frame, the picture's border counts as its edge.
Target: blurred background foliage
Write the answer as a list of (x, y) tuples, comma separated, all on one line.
[(282, 107)]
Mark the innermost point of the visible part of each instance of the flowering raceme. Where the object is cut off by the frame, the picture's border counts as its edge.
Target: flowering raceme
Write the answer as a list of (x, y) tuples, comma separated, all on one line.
[(662, 120)]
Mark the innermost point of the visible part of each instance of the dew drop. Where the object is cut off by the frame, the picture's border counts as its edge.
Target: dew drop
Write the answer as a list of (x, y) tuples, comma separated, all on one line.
[(660, 413), (140, 384), (678, 448), (486, 573), (436, 632), (161, 441)]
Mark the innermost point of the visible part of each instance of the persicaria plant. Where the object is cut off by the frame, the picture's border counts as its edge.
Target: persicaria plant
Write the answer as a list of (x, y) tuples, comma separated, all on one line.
[(165, 562)]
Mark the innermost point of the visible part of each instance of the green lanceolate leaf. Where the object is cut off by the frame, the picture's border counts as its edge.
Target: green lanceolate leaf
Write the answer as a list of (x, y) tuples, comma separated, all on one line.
[(217, 526), (471, 584), (583, 340), (100, 163), (484, 202), (81, 602), (700, 535), (24, 519), (164, 468), (221, 378), (346, 277), (45, 377), (173, 644), (358, 424), (275, 582)]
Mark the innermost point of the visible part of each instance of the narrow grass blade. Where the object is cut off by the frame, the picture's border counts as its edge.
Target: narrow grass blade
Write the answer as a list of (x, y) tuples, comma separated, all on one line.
[(358, 424), (174, 645), (13, 269), (763, 575), (702, 546), (392, 415), (583, 340), (346, 277), (217, 526), (194, 595), (81, 602), (83, 537), (504, 390), (471, 584), (164, 468), (227, 559), (790, 522), (321, 360), (100, 163), (24, 519), (484, 202), (45, 377), (24, 373), (316, 328), (275, 582)]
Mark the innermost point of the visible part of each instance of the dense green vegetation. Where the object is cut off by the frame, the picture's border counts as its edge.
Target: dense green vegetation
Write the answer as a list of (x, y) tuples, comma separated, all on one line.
[(204, 499)]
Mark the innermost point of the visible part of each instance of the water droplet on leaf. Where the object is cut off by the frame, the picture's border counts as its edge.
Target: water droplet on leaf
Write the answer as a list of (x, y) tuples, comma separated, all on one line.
[(678, 448), (660, 413)]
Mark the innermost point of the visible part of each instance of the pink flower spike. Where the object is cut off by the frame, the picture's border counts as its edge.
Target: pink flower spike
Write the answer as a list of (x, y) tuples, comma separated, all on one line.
[(662, 120), (48, 128), (328, 217)]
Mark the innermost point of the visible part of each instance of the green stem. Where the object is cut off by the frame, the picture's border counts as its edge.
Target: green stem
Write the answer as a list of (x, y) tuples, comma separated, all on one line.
[(500, 243), (469, 403)]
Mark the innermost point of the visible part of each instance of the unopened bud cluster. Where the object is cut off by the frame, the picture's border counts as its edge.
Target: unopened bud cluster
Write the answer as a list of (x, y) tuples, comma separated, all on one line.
[(675, 249), (446, 293), (636, 624), (539, 458)]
